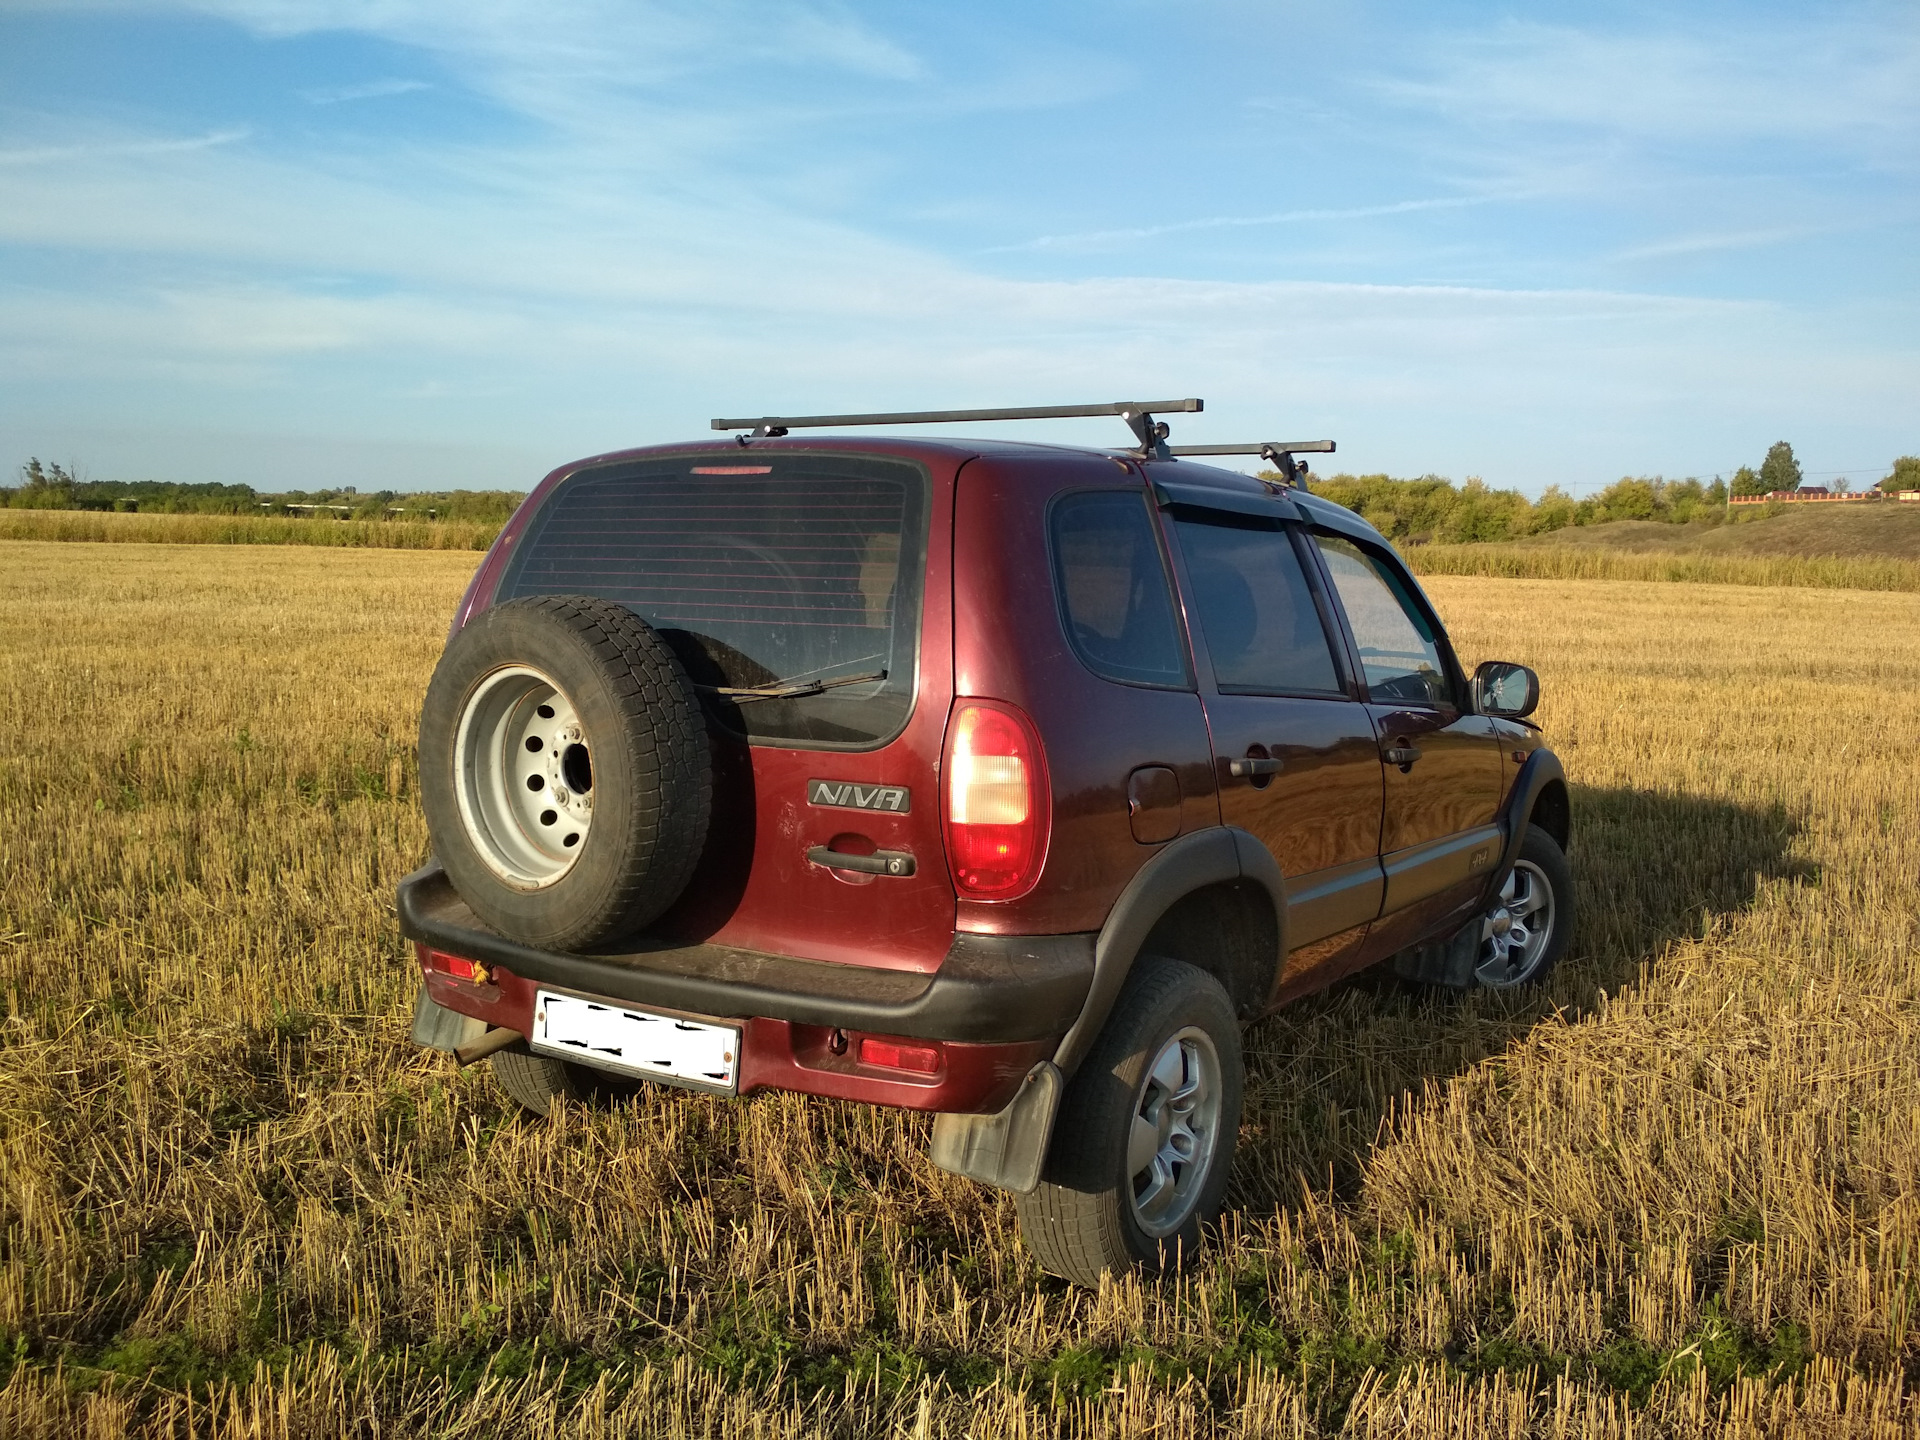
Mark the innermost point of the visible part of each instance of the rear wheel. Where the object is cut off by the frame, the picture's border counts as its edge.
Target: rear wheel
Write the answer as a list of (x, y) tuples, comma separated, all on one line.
[(538, 1082), (1144, 1140)]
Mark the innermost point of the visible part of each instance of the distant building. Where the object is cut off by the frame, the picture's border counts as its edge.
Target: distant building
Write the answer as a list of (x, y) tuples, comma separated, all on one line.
[(1813, 495)]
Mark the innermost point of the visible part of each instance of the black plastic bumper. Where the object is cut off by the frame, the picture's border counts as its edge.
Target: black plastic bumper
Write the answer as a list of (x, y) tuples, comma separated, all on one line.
[(990, 988)]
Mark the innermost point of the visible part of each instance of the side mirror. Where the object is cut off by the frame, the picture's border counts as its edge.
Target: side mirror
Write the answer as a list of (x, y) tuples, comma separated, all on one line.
[(1503, 688)]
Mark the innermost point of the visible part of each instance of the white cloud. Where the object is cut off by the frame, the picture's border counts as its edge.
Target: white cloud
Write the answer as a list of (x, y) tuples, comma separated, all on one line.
[(370, 90), (125, 149), (1712, 243), (1093, 239), (1842, 76)]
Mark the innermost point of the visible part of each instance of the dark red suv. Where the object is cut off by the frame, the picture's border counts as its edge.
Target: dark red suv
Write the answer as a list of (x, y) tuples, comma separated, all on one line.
[(1002, 781)]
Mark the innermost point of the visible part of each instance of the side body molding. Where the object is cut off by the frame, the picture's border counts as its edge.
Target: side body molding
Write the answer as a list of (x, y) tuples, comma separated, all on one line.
[(1220, 855)]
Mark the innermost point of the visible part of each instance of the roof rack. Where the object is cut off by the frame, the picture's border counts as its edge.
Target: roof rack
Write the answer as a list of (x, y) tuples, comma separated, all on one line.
[(1280, 452), (1138, 414)]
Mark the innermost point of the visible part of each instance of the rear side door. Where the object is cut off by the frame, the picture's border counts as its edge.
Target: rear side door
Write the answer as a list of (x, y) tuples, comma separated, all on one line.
[(1296, 758), (1438, 839)]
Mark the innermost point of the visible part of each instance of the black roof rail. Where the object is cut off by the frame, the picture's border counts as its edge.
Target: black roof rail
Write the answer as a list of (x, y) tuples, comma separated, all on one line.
[(1265, 449), (1280, 452), (1138, 414)]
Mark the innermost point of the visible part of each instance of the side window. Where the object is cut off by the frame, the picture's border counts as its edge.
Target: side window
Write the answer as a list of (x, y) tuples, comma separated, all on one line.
[(1263, 633), (1399, 652), (1113, 590)]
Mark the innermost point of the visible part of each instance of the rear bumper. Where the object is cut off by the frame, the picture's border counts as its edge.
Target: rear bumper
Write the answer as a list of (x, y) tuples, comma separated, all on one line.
[(997, 1005)]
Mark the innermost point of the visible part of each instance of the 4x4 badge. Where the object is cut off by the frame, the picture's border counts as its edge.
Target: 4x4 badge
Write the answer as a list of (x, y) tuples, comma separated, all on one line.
[(852, 795)]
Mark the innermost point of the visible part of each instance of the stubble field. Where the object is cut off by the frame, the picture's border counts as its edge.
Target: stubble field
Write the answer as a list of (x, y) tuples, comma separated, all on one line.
[(1676, 1194)]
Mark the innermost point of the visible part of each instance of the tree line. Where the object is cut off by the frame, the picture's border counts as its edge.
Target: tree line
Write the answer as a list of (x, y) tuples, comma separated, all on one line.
[(1428, 509), (54, 487), (1435, 510)]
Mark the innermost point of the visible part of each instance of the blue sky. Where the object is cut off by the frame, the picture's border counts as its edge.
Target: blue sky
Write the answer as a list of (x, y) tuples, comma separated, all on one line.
[(393, 244)]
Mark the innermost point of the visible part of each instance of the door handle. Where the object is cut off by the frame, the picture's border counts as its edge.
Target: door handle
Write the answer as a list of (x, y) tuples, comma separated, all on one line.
[(1401, 754), (881, 862), (1254, 765)]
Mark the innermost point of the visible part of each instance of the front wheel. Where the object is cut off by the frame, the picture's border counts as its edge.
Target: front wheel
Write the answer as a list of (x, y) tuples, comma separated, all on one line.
[(1526, 929), (1144, 1140)]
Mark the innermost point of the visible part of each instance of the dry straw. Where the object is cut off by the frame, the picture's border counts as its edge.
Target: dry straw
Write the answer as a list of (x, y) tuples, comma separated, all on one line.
[(106, 527), (1676, 1195)]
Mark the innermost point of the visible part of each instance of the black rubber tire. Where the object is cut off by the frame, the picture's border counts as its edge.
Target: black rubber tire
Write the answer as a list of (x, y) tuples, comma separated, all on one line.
[(1543, 851), (1079, 1221), (537, 1082), (652, 768)]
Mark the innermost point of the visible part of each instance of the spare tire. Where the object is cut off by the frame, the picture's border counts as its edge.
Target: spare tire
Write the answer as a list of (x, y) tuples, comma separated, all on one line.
[(564, 770)]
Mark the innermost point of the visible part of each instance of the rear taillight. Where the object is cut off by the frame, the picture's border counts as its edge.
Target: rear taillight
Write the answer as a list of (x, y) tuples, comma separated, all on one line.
[(899, 1055), (996, 801), (441, 963)]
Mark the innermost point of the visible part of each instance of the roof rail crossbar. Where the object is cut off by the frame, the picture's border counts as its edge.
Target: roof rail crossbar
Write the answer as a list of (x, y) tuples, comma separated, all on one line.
[(1279, 452), (1265, 449), (1137, 413)]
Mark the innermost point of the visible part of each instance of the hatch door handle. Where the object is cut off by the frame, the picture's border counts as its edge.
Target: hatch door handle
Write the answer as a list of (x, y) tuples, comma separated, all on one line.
[(1254, 765), (1401, 754), (882, 862)]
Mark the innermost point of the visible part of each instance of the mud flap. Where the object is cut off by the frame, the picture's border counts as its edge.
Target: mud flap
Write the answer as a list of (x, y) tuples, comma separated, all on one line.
[(1446, 962), (1006, 1149), (438, 1028)]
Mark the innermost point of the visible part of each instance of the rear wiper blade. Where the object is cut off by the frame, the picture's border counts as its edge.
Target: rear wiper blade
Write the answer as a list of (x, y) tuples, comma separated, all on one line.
[(786, 690)]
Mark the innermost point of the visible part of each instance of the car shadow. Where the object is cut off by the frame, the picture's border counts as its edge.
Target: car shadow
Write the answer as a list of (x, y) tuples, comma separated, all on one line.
[(1650, 868)]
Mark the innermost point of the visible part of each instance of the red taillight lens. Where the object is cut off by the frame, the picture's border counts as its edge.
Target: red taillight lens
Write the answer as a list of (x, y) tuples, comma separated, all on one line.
[(442, 963), (923, 1059), (997, 801)]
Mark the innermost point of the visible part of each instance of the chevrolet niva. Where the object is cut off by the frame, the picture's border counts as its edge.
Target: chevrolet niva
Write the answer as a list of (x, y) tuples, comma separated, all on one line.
[(1001, 781)]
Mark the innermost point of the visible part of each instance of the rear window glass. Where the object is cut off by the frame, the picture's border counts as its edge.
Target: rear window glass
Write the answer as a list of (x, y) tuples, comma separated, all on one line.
[(807, 572), (1113, 589)]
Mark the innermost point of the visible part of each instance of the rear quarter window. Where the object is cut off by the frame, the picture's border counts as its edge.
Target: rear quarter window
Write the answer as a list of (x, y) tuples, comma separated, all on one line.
[(1115, 599), (758, 570)]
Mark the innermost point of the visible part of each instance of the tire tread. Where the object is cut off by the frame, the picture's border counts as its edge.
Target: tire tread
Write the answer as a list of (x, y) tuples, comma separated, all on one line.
[(1072, 1221)]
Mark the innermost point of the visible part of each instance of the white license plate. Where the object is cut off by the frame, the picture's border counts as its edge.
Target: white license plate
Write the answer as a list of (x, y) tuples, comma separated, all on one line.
[(635, 1042)]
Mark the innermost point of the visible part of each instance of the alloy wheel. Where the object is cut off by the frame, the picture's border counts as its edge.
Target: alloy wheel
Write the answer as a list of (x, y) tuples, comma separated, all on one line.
[(1175, 1132), (1516, 931)]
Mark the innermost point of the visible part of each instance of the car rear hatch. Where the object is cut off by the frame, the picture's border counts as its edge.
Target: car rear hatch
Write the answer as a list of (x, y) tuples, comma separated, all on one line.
[(807, 594)]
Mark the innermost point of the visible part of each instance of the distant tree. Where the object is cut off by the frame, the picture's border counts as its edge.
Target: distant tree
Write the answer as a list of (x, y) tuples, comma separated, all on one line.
[(1717, 491), (1747, 482), (1905, 476), (1629, 499), (43, 487), (1554, 510), (1779, 471)]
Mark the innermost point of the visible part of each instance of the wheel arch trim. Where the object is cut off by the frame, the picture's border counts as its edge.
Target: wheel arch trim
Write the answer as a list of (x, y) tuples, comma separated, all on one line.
[(1541, 777), (1218, 855)]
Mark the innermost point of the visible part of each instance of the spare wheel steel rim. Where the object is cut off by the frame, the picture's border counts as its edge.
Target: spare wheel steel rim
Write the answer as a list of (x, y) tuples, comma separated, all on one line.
[(1517, 929), (1175, 1132), (523, 771)]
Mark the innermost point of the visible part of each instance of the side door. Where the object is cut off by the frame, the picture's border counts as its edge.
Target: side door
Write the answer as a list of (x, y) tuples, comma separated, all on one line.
[(1296, 758), (1438, 839)]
